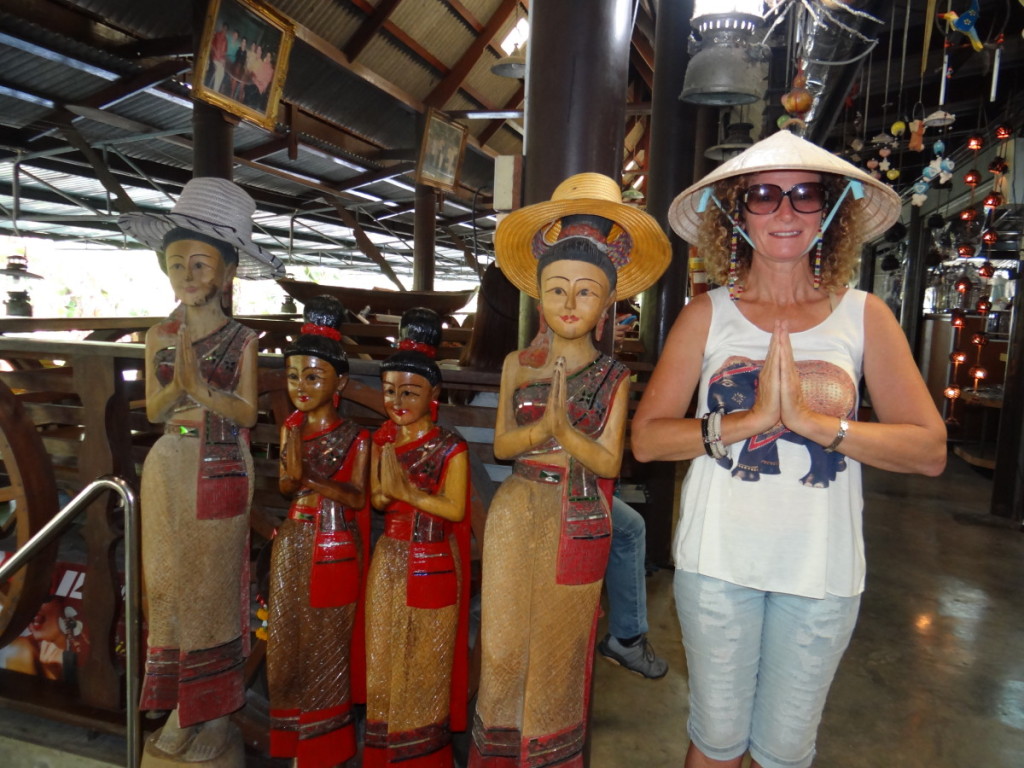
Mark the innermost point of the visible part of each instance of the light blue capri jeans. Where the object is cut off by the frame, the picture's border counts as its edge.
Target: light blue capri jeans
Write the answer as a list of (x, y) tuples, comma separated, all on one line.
[(760, 666)]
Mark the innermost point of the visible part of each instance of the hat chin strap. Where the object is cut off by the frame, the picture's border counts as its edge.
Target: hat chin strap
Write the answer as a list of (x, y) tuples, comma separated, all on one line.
[(853, 187)]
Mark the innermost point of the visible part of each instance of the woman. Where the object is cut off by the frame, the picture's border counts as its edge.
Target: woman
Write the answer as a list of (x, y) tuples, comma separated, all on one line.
[(319, 556), (562, 416), (197, 478), (769, 550), (418, 587)]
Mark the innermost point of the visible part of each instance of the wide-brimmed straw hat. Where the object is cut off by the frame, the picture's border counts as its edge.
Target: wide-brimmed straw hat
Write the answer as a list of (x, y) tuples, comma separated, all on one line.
[(214, 207), (642, 249), (784, 151)]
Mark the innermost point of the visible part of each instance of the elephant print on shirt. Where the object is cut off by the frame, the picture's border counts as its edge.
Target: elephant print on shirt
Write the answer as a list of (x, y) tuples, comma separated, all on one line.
[(827, 389)]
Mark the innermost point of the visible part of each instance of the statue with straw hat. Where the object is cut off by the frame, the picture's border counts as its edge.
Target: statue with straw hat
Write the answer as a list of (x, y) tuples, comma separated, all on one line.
[(561, 416), (197, 481)]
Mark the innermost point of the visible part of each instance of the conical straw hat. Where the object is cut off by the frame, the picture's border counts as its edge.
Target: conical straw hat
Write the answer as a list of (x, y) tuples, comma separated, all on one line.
[(517, 245), (784, 151)]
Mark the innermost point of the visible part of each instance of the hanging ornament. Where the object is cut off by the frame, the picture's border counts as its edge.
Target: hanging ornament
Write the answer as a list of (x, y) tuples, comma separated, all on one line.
[(986, 270), (931, 170), (972, 178), (963, 284), (974, 143), (916, 141), (939, 119), (989, 237), (885, 165), (964, 23), (1003, 132), (946, 167), (968, 214), (998, 166), (892, 174), (979, 340), (984, 306), (798, 101), (992, 201), (939, 147), (964, 251), (898, 128), (952, 392), (920, 192), (957, 317), (977, 373), (957, 357)]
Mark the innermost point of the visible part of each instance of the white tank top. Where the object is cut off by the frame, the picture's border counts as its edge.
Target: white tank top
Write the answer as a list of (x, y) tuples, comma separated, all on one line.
[(786, 516)]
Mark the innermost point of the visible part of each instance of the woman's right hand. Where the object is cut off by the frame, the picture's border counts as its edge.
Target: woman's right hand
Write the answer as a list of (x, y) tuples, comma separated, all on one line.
[(767, 410)]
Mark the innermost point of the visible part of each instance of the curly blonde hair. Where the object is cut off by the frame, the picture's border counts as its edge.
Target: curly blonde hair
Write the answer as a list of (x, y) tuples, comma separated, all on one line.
[(841, 245)]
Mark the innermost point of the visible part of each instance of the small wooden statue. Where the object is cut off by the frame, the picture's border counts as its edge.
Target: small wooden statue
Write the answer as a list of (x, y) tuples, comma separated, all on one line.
[(562, 416), (417, 592), (319, 557), (197, 478)]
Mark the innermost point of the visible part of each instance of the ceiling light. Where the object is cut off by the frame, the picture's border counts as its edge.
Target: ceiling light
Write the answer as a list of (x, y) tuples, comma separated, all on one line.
[(726, 66)]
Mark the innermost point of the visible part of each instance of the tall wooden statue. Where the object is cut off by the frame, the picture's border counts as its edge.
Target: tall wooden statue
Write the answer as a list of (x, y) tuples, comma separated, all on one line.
[(197, 479), (417, 594), (320, 554), (562, 416)]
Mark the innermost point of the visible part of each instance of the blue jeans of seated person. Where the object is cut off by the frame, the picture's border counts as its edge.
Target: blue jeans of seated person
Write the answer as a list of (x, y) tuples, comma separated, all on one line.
[(625, 573)]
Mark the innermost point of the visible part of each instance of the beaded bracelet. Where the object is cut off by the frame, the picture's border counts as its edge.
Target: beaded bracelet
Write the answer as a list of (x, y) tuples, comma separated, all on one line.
[(718, 448), (704, 434)]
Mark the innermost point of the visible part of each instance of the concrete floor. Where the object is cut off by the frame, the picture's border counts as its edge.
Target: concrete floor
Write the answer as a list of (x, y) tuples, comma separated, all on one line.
[(934, 677)]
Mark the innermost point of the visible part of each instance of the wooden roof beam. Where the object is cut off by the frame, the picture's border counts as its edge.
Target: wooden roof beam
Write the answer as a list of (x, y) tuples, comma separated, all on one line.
[(373, 23)]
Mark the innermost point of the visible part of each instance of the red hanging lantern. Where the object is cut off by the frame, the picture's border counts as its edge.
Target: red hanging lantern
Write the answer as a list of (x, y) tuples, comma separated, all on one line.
[(965, 251), (986, 270), (968, 214), (957, 318), (963, 283), (957, 357), (974, 143), (976, 373), (989, 237), (998, 166), (972, 178), (952, 392), (979, 339), (984, 306), (992, 201), (1003, 132)]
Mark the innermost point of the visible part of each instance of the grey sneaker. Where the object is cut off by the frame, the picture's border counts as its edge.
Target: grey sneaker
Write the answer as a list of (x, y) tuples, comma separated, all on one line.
[(637, 658)]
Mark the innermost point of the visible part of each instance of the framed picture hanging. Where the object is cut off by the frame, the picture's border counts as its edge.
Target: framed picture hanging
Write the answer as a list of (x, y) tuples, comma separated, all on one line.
[(441, 148), (243, 59)]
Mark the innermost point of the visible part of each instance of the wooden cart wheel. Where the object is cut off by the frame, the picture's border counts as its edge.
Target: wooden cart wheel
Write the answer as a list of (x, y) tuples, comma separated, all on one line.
[(28, 500)]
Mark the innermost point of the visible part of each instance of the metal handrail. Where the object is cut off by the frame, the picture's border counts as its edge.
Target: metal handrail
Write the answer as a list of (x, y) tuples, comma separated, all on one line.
[(55, 527)]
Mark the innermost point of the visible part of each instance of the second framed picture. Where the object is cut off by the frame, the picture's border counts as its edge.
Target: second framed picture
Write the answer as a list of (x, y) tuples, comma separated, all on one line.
[(441, 149)]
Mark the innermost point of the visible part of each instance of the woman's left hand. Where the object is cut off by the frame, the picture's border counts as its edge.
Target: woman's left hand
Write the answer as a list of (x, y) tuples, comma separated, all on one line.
[(795, 413)]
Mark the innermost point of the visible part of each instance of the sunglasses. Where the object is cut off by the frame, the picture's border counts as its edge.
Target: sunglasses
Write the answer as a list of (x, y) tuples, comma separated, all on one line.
[(762, 199)]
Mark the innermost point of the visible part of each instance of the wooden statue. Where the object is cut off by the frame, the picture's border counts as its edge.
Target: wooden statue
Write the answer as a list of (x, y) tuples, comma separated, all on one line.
[(197, 478), (562, 416), (418, 588), (319, 555)]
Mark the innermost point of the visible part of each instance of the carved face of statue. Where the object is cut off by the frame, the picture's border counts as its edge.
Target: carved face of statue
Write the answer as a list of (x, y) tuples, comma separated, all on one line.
[(312, 382), (197, 271), (407, 396), (573, 296)]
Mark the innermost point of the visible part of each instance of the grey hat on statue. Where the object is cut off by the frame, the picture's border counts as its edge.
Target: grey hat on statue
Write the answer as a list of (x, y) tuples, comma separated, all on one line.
[(214, 207)]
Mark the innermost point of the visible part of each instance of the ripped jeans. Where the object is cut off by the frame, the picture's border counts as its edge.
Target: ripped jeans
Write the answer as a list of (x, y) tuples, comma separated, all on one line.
[(760, 666)]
